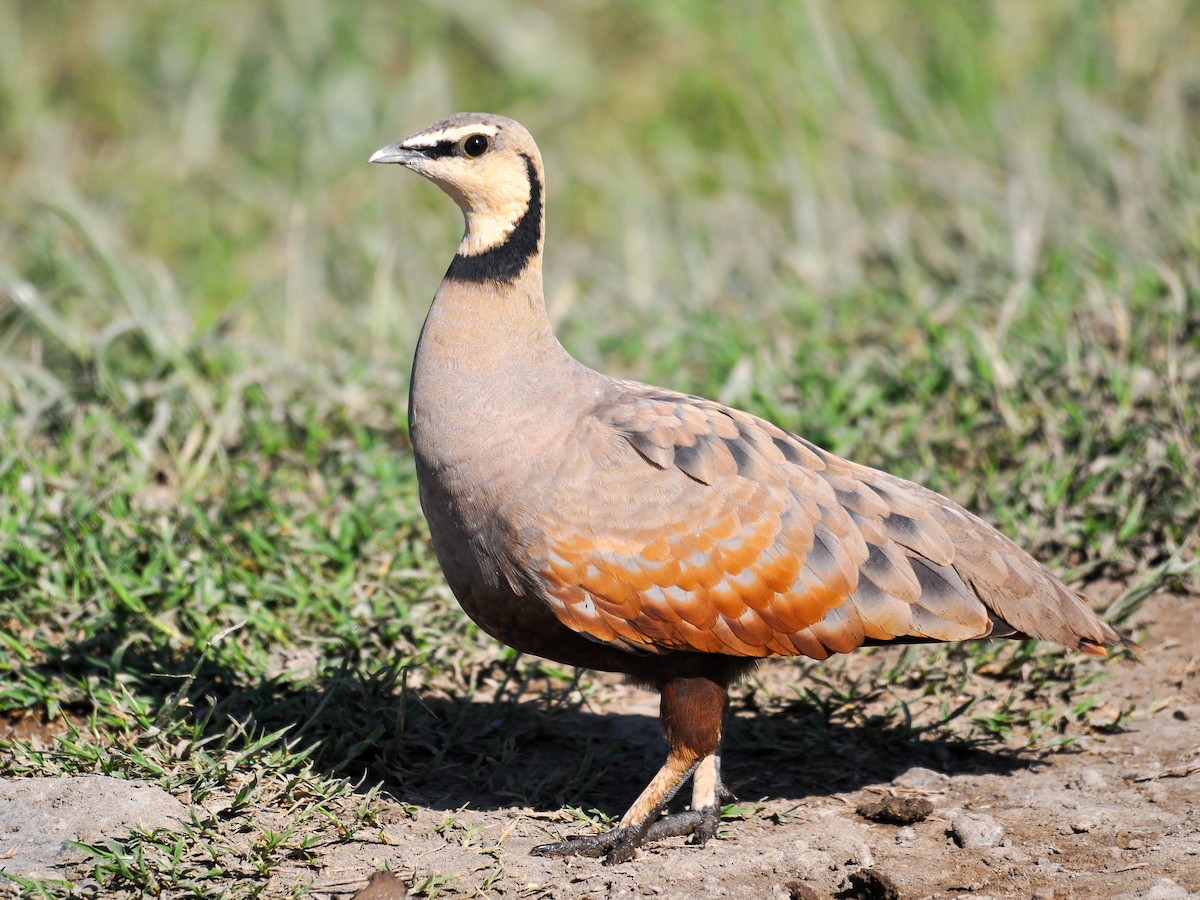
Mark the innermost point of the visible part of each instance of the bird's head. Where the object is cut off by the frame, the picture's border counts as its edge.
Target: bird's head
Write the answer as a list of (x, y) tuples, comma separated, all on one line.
[(490, 166)]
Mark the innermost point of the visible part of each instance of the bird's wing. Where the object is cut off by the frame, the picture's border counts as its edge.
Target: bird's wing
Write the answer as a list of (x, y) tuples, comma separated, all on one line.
[(679, 524)]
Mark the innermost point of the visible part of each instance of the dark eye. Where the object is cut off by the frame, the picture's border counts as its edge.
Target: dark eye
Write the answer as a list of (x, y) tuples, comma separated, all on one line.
[(475, 145)]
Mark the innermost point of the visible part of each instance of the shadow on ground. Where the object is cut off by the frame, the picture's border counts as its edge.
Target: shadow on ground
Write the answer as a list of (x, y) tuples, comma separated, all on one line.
[(550, 758), (367, 725)]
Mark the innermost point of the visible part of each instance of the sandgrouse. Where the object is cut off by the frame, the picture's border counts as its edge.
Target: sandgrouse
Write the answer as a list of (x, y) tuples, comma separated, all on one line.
[(628, 528)]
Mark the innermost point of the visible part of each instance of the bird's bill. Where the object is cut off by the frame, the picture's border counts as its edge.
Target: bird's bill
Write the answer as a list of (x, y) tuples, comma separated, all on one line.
[(396, 153)]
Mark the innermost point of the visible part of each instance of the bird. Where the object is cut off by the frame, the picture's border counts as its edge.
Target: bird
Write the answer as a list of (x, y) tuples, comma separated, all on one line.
[(616, 526)]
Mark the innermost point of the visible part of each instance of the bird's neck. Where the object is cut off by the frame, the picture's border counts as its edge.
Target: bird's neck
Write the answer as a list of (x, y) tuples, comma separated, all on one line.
[(490, 328), (487, 364)]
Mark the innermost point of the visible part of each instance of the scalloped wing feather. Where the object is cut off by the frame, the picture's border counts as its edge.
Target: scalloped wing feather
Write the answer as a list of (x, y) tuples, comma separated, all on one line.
[(736, 537)]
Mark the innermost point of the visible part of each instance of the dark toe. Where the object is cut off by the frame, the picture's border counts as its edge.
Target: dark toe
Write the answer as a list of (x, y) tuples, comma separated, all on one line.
[(700, 825), (590, 845), (706, 828)]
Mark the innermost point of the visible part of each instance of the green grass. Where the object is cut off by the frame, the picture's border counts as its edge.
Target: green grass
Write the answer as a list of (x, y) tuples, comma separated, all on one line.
[(958, 242)]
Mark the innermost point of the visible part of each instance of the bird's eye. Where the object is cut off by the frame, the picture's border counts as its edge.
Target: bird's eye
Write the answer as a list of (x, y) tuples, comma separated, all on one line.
[(476, 145)]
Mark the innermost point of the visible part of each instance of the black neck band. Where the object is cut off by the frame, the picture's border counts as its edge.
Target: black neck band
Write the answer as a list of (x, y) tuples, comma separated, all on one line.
[(506, 261)]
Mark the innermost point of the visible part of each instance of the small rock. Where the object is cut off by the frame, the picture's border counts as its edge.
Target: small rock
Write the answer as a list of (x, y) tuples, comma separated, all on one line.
[(896, 810), (1127, 841), (1166, 889), (922, 779), (975, 831), (836, 845), (868, 884), (1007, 854), (1090, 780), (1045, 867), (794, 890), (1083, 825), (1043, 893), (39, 817), (383, 886), (905, 836)]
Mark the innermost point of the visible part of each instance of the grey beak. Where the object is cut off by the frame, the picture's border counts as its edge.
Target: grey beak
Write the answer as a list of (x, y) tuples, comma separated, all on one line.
[(395, 153)]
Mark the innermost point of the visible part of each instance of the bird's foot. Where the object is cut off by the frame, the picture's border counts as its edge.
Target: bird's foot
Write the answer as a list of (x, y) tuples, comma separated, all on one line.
[(620, 844)]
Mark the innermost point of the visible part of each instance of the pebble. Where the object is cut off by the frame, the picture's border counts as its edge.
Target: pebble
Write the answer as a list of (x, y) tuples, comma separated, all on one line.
[(974, 831), (1166, 889), (922, 779), (1046, 867), (794, 890), (905, 836), (383, 886), (896, 810), (869, 884), (1090, 780), (1130, 840)]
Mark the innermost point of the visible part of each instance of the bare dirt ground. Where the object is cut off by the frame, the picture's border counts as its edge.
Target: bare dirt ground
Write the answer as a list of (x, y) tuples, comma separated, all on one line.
[(1116, 815)]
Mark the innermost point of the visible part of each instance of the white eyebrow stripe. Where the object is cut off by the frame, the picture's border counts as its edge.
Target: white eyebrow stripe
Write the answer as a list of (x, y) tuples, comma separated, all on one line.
[(453, 135)]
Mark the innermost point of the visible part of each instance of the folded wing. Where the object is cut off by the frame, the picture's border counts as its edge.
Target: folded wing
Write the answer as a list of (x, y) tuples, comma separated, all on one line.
[(679, 524)]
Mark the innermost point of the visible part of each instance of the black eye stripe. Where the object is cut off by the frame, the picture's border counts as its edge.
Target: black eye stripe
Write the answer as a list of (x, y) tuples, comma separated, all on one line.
[(440, 149), (452, 148)]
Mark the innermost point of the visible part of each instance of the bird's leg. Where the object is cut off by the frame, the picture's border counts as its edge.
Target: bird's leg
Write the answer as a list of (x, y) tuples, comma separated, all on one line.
[(708, 793), (691, 710)]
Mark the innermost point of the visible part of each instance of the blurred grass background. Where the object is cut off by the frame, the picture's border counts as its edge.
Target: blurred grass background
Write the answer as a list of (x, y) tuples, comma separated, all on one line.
[(773, 156), (955, 240)]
